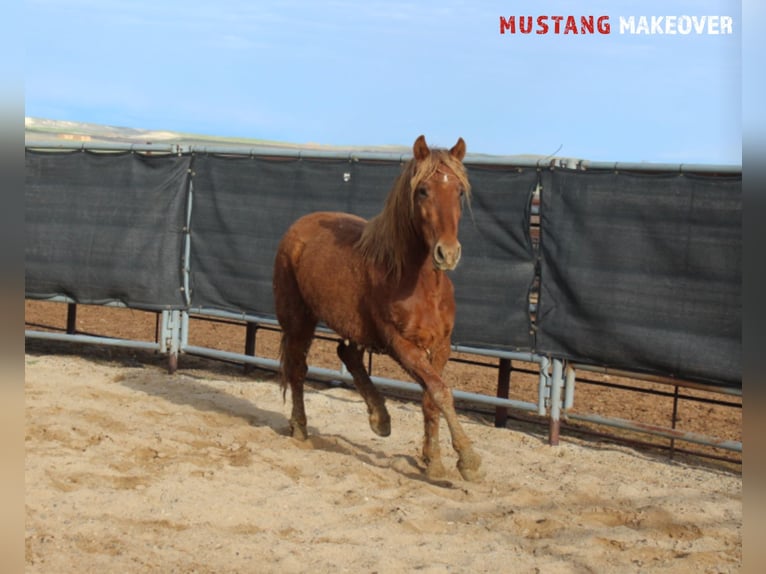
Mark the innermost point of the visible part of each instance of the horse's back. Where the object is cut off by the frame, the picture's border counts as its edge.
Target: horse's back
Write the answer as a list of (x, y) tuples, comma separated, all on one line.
[(319, 237), (319, 268)]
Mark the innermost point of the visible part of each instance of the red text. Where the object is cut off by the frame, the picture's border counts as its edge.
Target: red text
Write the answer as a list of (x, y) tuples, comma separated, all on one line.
[(555, 25)]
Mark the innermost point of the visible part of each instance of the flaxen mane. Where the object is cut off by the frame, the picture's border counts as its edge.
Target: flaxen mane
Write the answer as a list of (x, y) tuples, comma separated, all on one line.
[(386, 236)]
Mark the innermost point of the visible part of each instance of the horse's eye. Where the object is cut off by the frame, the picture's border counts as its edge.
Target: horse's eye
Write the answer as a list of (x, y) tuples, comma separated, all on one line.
[(422, 192)]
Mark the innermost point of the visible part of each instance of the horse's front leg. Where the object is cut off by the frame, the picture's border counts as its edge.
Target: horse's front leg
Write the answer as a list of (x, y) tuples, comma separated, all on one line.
[(416, 362), (353, 358), (432, 456)]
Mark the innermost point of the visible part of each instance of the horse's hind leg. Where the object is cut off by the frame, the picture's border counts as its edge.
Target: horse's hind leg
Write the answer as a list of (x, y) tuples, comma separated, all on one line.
[(353, 358), (298, 324), (294, 350)]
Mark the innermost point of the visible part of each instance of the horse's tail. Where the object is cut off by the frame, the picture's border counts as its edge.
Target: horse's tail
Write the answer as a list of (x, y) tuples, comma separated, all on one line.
[(282, 370), (295, 318)]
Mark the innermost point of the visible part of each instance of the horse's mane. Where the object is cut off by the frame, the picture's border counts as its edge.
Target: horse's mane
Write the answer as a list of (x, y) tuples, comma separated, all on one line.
[(388, 236)]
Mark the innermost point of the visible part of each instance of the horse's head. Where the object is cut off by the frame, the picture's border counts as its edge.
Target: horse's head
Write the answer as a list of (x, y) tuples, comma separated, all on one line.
[(439, 187)]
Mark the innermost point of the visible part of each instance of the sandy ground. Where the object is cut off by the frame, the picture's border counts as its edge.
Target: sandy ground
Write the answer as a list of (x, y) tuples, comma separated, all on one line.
[(129, 469)]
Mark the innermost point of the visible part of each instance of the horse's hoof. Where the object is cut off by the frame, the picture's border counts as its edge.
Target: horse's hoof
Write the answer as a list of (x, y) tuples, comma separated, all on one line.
[(380, 426), (435, 470), (298, 432), (470, 468), (471, 475)]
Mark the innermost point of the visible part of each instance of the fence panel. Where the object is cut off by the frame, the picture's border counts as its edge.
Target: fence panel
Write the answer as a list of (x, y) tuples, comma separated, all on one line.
[(243, 206), (496, 271), (643, 272), (105, 227)]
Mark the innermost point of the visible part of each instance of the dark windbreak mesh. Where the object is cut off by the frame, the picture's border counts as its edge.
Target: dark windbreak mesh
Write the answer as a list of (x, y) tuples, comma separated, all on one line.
[(643, 272), (497, 268), (105, 227), (637, 271), (243, 206)]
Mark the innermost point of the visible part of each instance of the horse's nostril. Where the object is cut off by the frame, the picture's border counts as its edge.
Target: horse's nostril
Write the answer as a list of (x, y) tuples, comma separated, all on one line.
[(439, 254)]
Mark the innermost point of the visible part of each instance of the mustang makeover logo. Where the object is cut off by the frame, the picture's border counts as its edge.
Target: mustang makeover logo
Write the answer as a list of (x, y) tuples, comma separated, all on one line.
[(595, 25)]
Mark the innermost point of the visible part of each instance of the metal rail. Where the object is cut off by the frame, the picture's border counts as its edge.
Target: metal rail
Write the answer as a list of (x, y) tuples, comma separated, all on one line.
[(656, 430), (330, 375), (91, 339), (556, 386), (399, 157)]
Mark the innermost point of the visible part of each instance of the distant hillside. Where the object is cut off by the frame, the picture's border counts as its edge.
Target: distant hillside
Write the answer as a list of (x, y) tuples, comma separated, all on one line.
[(46, 130)]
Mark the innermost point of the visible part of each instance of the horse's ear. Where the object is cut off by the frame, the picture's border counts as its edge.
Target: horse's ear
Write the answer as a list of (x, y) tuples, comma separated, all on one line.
[(420, 148), (458, 150)]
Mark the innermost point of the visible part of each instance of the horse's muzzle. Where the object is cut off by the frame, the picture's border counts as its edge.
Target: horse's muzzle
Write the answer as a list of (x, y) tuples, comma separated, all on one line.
[(446, 257)]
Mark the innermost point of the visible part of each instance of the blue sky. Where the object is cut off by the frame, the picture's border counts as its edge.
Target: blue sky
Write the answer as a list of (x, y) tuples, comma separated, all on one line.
[(383, 72)]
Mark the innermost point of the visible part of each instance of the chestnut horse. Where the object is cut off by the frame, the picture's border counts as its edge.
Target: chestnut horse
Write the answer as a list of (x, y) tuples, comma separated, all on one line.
[(381, 285)]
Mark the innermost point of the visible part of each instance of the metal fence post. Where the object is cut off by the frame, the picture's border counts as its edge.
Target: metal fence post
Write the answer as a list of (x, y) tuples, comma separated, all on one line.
[(504, 370), (543, 385), (170, 337), (557, 383), (71, 318)]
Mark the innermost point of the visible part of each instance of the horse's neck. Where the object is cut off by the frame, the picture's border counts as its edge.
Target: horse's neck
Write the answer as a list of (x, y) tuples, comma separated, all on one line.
[(419, 273)]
